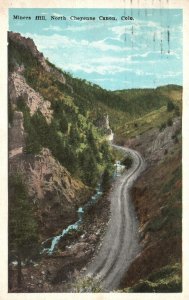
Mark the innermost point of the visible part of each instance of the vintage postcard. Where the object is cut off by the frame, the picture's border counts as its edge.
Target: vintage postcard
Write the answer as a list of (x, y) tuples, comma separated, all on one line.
[(94, 138)]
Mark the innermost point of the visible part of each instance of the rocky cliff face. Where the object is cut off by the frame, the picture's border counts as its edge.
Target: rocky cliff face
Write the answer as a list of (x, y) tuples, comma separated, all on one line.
[(154, 144), (104, 124), (19, 89), (54, 193), (16, 135), (29, 44)]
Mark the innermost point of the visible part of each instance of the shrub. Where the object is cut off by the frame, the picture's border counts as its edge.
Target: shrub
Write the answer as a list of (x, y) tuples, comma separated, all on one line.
[(87, 285), (170, 122), (170, 106), (127, 161), (162, 127)]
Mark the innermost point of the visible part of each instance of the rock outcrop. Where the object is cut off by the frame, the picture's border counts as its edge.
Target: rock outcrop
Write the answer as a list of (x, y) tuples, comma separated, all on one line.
[(54, 193), (19, 89), (154, 143), (103, 123), (16, 135), (30, 45)]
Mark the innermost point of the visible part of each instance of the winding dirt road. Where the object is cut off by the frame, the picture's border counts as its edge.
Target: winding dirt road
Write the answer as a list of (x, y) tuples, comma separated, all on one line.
[(121, 242)]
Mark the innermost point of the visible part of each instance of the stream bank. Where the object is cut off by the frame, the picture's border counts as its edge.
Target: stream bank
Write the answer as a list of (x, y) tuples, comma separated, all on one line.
[(52, 273)]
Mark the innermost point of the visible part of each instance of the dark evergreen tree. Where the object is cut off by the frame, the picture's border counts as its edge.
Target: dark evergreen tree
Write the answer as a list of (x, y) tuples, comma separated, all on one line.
[(93, 144), (89, 167), (40, 124), (107, 177), (74, 136), (63, 124), (23, 235), (170, 105), (127, 161), (105, 151)]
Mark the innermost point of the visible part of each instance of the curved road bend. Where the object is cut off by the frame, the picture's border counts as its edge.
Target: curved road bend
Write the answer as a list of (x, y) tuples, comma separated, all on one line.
[(121, 242)]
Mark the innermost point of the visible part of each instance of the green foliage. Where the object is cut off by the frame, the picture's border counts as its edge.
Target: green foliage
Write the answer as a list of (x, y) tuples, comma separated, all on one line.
[(169, 122), (22, 225), (18, 55), (107, 177), (127, 161), (177, 111), (70, 135), (170, 105), (162, 127), (90, 173), (140, 101), (63, 124), (23, 230), (87, 285), (105, 150), (165, 280), (33, 143)]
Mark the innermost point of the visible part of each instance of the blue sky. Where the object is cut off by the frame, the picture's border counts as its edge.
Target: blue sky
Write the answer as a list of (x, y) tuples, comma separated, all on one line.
[(144, 52)]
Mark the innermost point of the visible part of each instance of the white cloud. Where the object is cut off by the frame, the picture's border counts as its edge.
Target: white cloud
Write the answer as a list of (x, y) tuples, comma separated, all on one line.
[(169, 74), (119, 30), (55, 41), (83, 28), (141, 72), (110, 59), (53, 28), (90, 68), (102, 45), (97, 57), (136, 28), (104, 79)]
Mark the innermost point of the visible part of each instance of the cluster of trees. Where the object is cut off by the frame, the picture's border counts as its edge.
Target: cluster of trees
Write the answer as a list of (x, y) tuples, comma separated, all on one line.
[(134, 102), (73, 144), (23, 229), (70, 136)]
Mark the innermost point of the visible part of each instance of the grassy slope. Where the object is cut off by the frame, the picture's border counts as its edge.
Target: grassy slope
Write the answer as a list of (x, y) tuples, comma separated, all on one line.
[(131, 112), (137, 125), (127, 108)]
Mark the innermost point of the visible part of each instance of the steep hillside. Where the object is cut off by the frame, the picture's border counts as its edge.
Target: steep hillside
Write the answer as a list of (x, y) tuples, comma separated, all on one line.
[(126, 108), (58, 153), (158, 201)]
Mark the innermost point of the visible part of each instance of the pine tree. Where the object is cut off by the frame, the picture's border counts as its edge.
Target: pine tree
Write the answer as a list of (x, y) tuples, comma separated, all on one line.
[(64, 124), (23, 236), (74, 136), (170, 105), (93, 144), (107, 177), (89, 167)]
